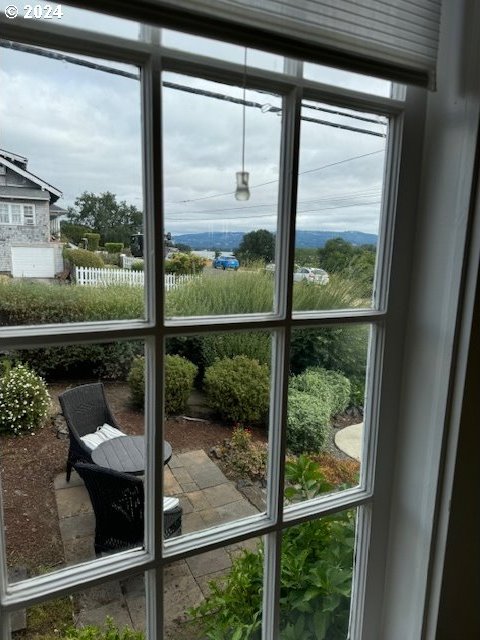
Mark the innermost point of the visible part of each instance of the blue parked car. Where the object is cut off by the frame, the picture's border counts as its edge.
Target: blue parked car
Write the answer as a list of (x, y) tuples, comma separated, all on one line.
[(226, 262)]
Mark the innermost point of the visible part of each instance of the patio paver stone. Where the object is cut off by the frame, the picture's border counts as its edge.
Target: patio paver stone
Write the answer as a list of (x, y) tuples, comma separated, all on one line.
[(208, 498)]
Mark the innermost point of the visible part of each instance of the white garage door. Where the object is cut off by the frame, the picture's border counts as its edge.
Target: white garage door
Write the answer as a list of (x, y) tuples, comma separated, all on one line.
[(33, 262)]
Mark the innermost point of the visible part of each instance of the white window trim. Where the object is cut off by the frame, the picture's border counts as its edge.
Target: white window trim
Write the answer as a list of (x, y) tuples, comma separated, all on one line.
[(23, 222), (396, 595)]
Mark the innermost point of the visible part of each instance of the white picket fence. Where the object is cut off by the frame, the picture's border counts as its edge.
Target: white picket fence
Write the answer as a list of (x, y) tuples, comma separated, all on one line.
[(96, 277), (127, 261)]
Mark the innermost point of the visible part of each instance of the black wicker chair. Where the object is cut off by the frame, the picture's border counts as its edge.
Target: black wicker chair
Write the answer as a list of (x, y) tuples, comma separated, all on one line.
[(118, 503), (85, 408)]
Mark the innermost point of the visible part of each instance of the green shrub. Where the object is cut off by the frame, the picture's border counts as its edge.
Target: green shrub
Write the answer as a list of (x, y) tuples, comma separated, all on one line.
[(245, 456), (253, 344), (93, 240), (83, 258), (315, 581), (108, 361), (24, 400), (184, 264), (357, 394), (330, 387), (138, 265), (113, 247), (238, 389), (179, 377), (308, 420)]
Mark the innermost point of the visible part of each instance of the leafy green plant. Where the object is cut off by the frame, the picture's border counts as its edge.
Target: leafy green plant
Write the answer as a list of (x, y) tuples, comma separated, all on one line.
[(253, 344), (238, 389), (331, 387), (315, 576), (179, 376), (308, 419), (24, 400), (83, 258)]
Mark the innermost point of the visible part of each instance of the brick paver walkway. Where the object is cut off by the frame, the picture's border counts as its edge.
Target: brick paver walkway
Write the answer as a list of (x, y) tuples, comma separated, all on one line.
[(208, 498)]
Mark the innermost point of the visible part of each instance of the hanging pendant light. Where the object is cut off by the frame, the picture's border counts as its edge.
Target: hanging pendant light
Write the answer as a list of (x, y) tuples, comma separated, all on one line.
[(242, 192)]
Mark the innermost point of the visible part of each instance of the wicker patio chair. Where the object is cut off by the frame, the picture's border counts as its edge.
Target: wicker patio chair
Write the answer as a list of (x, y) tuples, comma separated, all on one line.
[(118, 503), (85, 408)]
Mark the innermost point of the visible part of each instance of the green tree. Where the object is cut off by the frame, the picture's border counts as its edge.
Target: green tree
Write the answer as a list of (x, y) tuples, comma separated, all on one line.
[(114, 221), (257, 245), (183, 248), (336, 255)]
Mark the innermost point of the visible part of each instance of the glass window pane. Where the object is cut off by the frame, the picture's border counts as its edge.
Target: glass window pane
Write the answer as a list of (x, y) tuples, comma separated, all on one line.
[(52, 522), (341, 174), (317, 561), (74, 174), (83, 19), (217, 391), (216, 594), (347, 79), (326, 404), (221, 50), (224, 241)]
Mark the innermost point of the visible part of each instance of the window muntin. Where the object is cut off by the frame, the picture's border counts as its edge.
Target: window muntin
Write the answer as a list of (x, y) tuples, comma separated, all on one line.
[(105, 571), (17, 214)]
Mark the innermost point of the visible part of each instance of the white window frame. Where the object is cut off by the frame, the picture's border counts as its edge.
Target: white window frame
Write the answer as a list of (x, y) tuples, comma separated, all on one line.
[(25, 219), (384, 541)]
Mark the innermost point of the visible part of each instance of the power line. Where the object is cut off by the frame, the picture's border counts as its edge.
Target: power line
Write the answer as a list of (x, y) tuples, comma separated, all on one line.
[(62, 57), (263, 184), (272, 215), (366, 193)]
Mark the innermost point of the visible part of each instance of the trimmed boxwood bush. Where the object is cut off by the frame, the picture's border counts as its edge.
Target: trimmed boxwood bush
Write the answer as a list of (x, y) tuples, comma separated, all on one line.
[(24, 400), (83, 258), (179, 376), (113, 247), (238, 389), (308, 420), (330, 387), (93, 241)]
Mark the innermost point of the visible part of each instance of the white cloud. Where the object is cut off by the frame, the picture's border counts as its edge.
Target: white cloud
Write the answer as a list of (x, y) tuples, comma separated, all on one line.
[(81, 130)]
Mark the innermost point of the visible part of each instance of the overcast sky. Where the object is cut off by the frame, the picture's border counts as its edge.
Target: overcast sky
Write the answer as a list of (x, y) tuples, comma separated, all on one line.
[(80, 129)]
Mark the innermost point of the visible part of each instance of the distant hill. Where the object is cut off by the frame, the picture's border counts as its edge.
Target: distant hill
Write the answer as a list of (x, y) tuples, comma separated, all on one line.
[(304, 239)]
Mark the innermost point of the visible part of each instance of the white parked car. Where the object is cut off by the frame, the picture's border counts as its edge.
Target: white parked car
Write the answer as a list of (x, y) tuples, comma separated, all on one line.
[(310, 274)]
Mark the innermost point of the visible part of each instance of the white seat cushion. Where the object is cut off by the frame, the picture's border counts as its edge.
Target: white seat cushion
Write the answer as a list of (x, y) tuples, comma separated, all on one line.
[(170, 503), (102, 434)]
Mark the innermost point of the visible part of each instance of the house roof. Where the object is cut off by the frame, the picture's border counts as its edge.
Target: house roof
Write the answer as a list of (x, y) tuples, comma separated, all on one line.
[(13, 157), (56, 211), (55, 194)]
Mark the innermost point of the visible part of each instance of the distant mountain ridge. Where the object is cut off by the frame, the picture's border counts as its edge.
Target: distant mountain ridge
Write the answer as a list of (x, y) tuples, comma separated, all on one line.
[(304, 239)]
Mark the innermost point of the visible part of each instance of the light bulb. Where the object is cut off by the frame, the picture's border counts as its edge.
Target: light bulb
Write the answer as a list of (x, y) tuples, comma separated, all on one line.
[(242, 192)]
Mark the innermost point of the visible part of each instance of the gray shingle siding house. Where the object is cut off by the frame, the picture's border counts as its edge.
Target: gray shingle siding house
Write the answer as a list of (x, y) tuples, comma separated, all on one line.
[(25, 220)]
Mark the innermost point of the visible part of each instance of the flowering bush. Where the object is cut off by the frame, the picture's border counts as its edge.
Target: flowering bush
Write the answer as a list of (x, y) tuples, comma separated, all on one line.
[(24, 400), (245, 456)]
